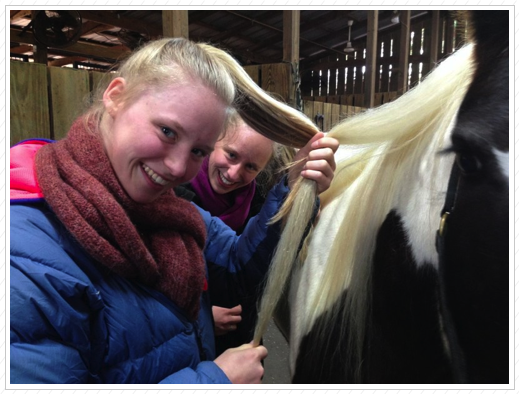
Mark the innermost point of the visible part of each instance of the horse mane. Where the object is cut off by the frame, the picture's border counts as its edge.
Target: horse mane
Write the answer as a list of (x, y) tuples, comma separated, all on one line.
[(385, 138)]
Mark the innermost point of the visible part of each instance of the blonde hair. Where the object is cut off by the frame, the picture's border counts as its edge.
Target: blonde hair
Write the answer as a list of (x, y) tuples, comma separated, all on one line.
[(168, 61), (387, 138), (268, 116), (171, 59)]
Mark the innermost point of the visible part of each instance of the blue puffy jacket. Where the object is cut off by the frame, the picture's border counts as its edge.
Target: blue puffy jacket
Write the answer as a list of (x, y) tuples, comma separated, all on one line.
[(73, 321)]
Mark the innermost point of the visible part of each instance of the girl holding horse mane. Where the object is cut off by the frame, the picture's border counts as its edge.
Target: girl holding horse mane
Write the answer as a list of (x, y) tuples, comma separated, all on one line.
[(226, 187), (108, 266)]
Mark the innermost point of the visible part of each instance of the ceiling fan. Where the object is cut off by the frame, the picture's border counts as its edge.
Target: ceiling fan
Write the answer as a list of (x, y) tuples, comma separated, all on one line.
[(349, 47), (57, 29)]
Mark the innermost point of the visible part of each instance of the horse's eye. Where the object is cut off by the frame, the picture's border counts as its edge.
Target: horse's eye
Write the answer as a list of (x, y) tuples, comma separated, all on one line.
[(468, 163)]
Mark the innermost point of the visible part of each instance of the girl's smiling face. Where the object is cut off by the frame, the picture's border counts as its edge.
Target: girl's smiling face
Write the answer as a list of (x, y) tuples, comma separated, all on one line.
[(238, 159), (160, 140)]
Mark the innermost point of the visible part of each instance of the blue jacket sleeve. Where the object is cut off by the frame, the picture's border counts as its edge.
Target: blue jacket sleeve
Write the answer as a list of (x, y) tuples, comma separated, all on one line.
[(248, 254), (238, 264), (52, 342)]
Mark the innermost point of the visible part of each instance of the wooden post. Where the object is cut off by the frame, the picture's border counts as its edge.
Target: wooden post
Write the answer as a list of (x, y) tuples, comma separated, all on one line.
[(449, 35), (403, 63), (291, 25), (39, 50), (435, 39), (371, 59), (175, 23)]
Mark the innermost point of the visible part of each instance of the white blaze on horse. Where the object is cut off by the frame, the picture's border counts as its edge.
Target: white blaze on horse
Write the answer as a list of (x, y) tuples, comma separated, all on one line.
[(380, 295)]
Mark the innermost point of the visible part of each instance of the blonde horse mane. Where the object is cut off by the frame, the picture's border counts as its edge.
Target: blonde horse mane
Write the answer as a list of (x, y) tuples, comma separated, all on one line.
[(386, 137)]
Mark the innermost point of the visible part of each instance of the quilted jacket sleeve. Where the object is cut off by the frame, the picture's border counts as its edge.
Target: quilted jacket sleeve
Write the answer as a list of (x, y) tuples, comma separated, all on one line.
[(65, 328), (238, 264)]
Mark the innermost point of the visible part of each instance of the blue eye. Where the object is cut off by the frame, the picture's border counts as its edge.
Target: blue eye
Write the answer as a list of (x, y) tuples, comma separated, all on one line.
[(168, 132)]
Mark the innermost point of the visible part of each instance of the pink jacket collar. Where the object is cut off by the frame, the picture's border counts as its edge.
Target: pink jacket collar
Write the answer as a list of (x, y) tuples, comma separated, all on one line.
[(24, 186)]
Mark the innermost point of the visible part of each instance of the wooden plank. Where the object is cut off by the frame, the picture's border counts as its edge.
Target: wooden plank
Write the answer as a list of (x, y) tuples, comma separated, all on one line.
[(29, 104), (379, 98), (347, 99), (39, 51), (254, 72), (335, 115), (175, 23), (81, 48), (327, 112), (68, 90), (100, 80), (291, 24), (291, 38), (333, 99), (275, 79), (346, 111), (403, 63), (371, 59), (358, 99), (434, 48), (308, 109)]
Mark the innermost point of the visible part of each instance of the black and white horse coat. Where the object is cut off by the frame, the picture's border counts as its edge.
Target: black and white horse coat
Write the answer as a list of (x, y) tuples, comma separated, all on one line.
[(429, 317)]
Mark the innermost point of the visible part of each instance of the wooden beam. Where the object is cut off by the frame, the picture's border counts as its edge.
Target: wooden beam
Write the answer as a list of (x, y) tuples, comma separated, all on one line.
[(17, 15), (403, 63), (435, 39), (371, 60), (89, 27), (279, 30), (21, 49), (109, 18), (291, 22), (66, 60), (175, 23), (80, 48), (39, 51), (239, 28)]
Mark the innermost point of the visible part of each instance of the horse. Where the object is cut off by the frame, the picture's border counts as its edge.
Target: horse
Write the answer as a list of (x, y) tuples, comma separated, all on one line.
[(404, 277)]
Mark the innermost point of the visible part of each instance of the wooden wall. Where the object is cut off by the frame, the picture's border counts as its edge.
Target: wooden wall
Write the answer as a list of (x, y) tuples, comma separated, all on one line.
[(274, 78), (46, 100), (327, 115)]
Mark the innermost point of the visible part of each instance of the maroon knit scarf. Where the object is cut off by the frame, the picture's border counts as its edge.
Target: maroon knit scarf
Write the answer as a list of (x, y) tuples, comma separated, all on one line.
[(159, 244)]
